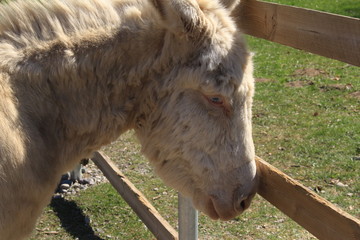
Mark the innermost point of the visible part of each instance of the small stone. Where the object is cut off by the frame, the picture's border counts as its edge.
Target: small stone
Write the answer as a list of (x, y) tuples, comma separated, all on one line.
[(85, 181), (64, 186), (340, 184), (157, 197), (57, 196), (69, 182), (337, 182), (63, 191), (92, 181)]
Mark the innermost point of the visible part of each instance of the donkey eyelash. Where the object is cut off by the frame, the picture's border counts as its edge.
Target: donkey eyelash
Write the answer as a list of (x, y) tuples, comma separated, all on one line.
[(220, 102), (216, 100)]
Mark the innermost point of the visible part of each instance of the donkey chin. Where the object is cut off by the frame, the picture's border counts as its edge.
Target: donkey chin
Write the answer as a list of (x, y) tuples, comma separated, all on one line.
[(220, 195), (223, 205)]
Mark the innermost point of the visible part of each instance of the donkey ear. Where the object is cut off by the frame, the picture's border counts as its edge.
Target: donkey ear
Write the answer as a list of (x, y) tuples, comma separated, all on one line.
[(230, 4), (183, 17)]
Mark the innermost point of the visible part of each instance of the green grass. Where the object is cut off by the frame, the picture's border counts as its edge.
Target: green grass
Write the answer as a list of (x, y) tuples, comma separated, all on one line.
[(343, 7), (99, 213), (315, 126), (306, 122)]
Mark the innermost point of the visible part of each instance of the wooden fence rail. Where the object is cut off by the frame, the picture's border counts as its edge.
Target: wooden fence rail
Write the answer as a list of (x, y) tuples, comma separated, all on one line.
[(136, 200), (325, 34), (317, 215)]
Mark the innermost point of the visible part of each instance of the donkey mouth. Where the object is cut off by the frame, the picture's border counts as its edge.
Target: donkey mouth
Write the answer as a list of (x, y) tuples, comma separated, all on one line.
[(224, 214), (215, 211), (211, 211), (218, 209)]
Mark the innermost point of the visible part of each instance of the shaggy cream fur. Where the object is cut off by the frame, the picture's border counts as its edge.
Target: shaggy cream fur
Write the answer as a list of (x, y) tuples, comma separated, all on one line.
[(74, 75)]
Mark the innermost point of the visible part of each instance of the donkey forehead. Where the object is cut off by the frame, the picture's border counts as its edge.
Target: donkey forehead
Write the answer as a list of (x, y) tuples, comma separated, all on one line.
[(221, 66), (225, 74), (213, 82), (224, 77)]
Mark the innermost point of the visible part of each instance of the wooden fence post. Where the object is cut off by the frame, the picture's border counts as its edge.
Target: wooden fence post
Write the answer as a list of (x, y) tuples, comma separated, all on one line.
[(188, 219)]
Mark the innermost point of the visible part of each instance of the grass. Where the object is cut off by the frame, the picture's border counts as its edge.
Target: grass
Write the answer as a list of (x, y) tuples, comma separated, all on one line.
[(306, 122), (349, 8)]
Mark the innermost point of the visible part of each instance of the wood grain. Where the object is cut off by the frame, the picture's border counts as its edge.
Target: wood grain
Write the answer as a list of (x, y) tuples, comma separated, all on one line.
[(317, 215), (136, 200), (325, 34)]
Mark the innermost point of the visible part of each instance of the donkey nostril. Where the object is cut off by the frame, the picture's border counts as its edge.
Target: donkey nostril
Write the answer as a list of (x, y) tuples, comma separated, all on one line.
[(243, 204)]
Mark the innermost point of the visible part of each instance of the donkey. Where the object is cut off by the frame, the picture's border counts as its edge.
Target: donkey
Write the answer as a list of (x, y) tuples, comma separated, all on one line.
[(74, 75)]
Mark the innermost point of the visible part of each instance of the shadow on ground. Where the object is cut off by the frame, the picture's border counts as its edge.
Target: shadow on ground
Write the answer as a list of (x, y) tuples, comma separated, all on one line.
[(73, 220)]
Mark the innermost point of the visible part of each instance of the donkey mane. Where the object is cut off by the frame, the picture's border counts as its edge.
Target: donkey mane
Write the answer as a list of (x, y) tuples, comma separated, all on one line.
[(30, 30), (34, 23)]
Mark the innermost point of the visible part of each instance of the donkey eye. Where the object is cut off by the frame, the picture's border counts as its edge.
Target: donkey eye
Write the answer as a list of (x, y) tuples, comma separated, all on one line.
[(219, 102), (215, 100)]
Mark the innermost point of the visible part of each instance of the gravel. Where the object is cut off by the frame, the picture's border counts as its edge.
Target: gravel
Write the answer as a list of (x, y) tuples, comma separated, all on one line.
[(91, 176)]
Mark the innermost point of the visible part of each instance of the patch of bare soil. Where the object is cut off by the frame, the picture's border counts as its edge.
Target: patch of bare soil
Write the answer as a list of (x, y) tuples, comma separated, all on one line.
[(299, 83), (263, 80), (309, 72), (329, 87), (305, 73), (355, 95)]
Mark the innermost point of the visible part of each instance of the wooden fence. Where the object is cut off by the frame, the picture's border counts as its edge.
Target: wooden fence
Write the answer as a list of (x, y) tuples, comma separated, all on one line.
[(325, 34)]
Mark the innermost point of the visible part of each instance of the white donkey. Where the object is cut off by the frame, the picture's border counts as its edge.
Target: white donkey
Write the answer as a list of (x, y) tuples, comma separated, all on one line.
[(75, 74)]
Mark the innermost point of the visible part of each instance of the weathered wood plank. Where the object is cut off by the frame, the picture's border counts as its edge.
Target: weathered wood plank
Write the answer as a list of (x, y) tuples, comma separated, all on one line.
[(320, 217), (325, 34), (142, 207)]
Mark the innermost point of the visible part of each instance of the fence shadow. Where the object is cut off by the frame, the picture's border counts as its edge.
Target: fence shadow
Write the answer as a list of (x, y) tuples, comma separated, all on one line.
[(73, 220)]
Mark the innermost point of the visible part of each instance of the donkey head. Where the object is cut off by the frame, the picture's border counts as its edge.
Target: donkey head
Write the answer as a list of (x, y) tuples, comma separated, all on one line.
[(198, 134)]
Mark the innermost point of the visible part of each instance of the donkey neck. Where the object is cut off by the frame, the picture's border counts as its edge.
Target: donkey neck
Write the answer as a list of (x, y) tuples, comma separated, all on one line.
[(87, 93), (90, 85)]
